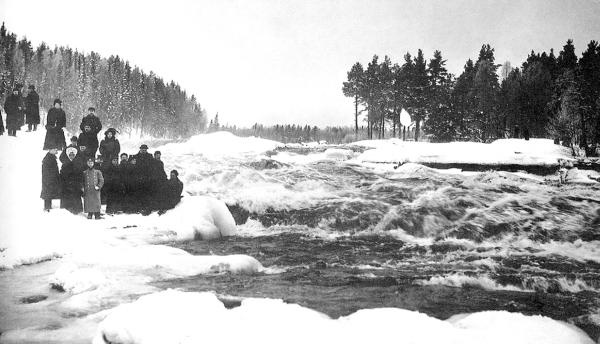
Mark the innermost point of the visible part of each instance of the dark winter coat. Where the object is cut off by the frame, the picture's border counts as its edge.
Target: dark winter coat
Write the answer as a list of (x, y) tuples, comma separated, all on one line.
[(158, 171), (55, 121), (80, 162), (50, 177), (14, 108), (109, 149), (90, 141), (124, 176), (93, 121), (173, 190), (144, 162), (71, 178), (63, 155), (113, 188), (92, 179), (32, 108)]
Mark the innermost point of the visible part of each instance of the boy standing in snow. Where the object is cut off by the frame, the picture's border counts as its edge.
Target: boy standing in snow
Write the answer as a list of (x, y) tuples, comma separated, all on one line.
[(92, 183)]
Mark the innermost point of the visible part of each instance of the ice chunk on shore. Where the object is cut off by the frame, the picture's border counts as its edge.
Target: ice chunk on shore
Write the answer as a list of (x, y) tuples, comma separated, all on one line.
[(199, 217)]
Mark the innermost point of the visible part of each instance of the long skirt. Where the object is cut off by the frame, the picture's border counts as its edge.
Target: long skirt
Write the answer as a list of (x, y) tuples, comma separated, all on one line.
[(72, 203), (55, 138)]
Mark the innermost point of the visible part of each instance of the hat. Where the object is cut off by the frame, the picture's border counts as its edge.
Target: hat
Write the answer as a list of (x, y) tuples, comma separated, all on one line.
[(144, 146), (109, 130), (31, 87), (175, 171), (74, 138), (124, 154), (157, 152), (89, 159), (57, 101), (91, 108), (71, 150)]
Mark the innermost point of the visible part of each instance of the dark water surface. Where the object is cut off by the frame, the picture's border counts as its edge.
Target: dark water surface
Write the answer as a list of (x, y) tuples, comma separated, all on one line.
[(412, 238), (337, 236)]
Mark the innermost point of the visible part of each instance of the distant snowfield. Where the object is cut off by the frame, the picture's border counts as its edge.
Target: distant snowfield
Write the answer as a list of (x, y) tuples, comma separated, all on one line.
[(501, 152), (104, 266)]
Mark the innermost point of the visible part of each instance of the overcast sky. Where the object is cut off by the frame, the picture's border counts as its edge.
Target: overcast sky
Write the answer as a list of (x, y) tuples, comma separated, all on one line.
[(284, 61)]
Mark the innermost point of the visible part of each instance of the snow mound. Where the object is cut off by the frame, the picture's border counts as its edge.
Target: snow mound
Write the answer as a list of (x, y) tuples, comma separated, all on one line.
[(500, 152), (220, 144), (182, 317), (199, 217)]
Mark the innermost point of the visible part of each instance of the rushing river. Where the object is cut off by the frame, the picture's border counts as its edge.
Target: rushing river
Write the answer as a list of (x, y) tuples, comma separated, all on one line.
[(337, 235), (348, 237)]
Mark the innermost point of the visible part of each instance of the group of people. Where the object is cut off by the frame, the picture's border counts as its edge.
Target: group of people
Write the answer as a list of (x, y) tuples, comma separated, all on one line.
[(130, 184), (20, 110)]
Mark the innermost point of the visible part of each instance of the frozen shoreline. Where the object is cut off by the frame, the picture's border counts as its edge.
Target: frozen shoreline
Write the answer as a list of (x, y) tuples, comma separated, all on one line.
[(104, 264)]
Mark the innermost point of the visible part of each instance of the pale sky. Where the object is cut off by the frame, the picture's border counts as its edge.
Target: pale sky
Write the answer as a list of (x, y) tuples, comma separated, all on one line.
[(276, 61)]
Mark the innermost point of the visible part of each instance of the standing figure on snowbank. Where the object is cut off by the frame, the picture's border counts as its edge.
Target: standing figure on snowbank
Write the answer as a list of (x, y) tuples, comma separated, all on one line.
[(72, 183), (92, 120), (172, 191), (88, 139), (92, 183), (14, 108), (55, 121), (32, 109), (110, 146), (50, 179), (142, 180), (113, 187), (1, 125)]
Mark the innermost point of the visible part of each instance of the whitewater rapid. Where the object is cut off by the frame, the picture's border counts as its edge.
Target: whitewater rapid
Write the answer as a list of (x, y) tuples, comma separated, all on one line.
[(113, 279)]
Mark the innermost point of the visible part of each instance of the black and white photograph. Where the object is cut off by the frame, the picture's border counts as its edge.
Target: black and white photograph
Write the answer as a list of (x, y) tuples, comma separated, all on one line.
[(300, 171)]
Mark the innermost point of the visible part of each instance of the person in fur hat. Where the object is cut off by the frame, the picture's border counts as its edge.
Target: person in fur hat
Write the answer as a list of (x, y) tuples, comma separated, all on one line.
[(110, 146)]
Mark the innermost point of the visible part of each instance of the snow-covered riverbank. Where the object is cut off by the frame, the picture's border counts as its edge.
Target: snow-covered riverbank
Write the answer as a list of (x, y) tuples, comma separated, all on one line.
[(103, 267)]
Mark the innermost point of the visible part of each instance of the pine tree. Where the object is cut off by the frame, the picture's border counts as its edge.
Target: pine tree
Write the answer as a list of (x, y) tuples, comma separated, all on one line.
[(485, 95), (418, 92), (353, 88), (589, 79), (439, 123)]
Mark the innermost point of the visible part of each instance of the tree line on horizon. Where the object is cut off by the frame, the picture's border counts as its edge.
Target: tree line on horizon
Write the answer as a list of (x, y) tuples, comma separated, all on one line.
[(125, 97), (288, 133), (549, 96)]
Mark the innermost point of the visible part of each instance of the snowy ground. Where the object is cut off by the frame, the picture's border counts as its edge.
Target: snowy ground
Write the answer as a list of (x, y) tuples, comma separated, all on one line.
[(105, 266)]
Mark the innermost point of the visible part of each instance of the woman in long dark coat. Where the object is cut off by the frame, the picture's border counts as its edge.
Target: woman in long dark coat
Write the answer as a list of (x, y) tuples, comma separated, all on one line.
[(56, 120), (110, 146), (72, 183), (32, 109), (50, 179)]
